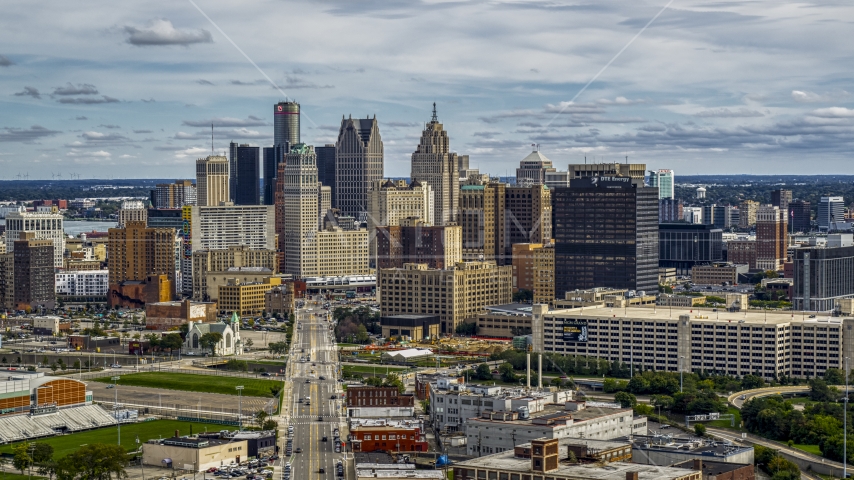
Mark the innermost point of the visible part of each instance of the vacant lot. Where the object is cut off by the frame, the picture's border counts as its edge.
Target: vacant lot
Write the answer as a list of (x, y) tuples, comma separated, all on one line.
[(65, 444), (197, 383)]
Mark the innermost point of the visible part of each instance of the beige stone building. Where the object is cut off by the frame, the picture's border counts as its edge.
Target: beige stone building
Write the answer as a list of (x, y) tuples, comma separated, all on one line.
[(339, 253), (435, 164), (245, 298), (717, 273), (482, 216), (221, 263), (584, 170), (324, 203), (212, 180), (747, 213), (454, 294), (280, 300), (534, 270), (132, 211), (681, 301), (391, 202), (194, 453)]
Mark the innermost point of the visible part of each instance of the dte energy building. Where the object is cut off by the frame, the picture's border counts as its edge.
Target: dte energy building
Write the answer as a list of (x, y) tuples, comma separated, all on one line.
[(606, 234)]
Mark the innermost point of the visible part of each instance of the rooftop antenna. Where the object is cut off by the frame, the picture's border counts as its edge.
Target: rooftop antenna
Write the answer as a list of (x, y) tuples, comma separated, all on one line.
[(435, 118), (212, 152)]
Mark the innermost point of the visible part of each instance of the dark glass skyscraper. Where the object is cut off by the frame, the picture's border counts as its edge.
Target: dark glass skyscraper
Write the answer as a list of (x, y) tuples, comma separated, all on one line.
[(248, 177), (286, 123), (683, 245), (606, 234), (358, 162), (273, 156), (326, 168)]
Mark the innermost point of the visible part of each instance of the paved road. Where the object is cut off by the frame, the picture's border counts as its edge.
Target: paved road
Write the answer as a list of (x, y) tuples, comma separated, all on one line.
[(316, 420)]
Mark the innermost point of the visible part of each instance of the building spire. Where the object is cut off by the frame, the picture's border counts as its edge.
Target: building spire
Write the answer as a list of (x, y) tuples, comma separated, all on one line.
[(435, 118)]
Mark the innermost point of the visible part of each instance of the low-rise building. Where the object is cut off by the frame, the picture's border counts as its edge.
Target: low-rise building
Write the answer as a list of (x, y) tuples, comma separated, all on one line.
[(407, 355), (423, 381), (50, 325), (604, 297), (259, 444), (668, 450), (387, 435), (546, 458), (681, 301), (245, 298), (504, 321), (167, 315), (411, 327), (718, 273), (96, 344), (378, 402), (229, 344), (495, 431), (715, 470), (195, 454), (93, 283), (452, 403)]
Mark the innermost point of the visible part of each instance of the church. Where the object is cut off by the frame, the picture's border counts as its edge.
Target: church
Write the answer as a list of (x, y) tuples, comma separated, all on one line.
[(229, 345)]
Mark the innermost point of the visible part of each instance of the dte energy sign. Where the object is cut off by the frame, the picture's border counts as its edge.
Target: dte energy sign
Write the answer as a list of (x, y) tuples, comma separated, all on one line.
[(574, 330)]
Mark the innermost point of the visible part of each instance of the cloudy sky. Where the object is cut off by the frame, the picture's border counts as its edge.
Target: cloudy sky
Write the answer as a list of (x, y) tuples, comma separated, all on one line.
[(129, 89)]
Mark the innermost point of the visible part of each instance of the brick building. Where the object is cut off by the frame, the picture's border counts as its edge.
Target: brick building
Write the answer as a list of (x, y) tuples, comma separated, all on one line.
[(742, 252), (387, 436), (165, 315), (378, 402)]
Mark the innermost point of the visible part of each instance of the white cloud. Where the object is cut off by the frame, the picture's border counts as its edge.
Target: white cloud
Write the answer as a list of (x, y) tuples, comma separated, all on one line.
[(833, 112), (162, 32)]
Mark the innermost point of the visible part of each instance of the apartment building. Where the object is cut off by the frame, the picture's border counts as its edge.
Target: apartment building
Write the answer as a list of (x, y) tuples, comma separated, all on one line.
[(215, 263), (534, 270), (247, 298)]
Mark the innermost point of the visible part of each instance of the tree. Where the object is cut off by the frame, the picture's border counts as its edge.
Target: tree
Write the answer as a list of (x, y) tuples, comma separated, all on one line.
[(269, 425), (700, 429), (362, 335), (374, 381), (278, 348), (248, 343), (750, 381), (625, 399), (275, 389), (644, 409), (21, 458), (393, 380), (821, 392), (171, 342), (54, 367), (210, 340), (466, 328), (507, 373), (483, 372), (833, 376), (523, 296), (260, 417), (77, 364), (571, 458), (96, 461)]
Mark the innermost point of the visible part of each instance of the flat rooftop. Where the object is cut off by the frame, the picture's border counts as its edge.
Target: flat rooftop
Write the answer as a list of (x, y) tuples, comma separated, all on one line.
[(711, 467), (520, 309), (668, 313), (363, 473), (594, 444), (611, 471), (686, 444), (558, 410)]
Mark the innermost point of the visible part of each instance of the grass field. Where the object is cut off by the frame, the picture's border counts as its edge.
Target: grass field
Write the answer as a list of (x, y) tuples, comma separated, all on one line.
[(18, 476), (808, 448), (65, 444), (196, 383)]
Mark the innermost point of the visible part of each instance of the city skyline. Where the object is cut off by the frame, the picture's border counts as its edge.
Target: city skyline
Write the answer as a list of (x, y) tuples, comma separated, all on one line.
[(700, 88)]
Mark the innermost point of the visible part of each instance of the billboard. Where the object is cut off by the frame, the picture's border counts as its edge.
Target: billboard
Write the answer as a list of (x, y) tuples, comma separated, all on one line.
[(575, 330)]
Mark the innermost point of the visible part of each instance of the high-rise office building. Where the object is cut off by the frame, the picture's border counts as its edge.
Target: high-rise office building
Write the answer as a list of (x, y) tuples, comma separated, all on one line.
[(721, 216), (434, 163), (246, 170), (132, 211), (482, 215), (300, 197), (528, 211), (219, 227), (534, 270), (780, 198), (415, 242), (830, 210), (174, 195), (586, 170), (533, 168), (390, 202), (771, 237), (136, 251), (324, 203), (212, 180), (286, 123), (823, 274), (165, 218), (670, 210), (747, 213), (273, 157), (800, 215), (46, 225), (358, 162), (606, 234), (326, 168), (33, 279), (663, 180), (683, 245), (232, 170)]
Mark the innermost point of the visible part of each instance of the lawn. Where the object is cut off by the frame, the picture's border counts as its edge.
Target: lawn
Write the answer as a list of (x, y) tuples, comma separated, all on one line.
[(808, 448), (18, 476), (726, 423), (196, 383), (65, 444)]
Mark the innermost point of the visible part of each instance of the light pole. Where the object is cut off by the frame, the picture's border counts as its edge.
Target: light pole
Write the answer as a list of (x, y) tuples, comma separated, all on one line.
[(141, 463), (239, 407), (680, 372), (116, 408)]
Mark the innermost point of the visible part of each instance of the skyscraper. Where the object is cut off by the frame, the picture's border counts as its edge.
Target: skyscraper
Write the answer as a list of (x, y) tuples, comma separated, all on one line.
[(212, 180), (46, 225), (174, 195), (137, 251), (747, 217), (300, 195), (273, 157), (781, 198), (432, 162), (664, 181), (532, 169), (606, 234), (232, 171), (830, 209), (358, 162), (799, 216), (33, 276), (326, 168), (771, 237), (246, 171), (286, 123)]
